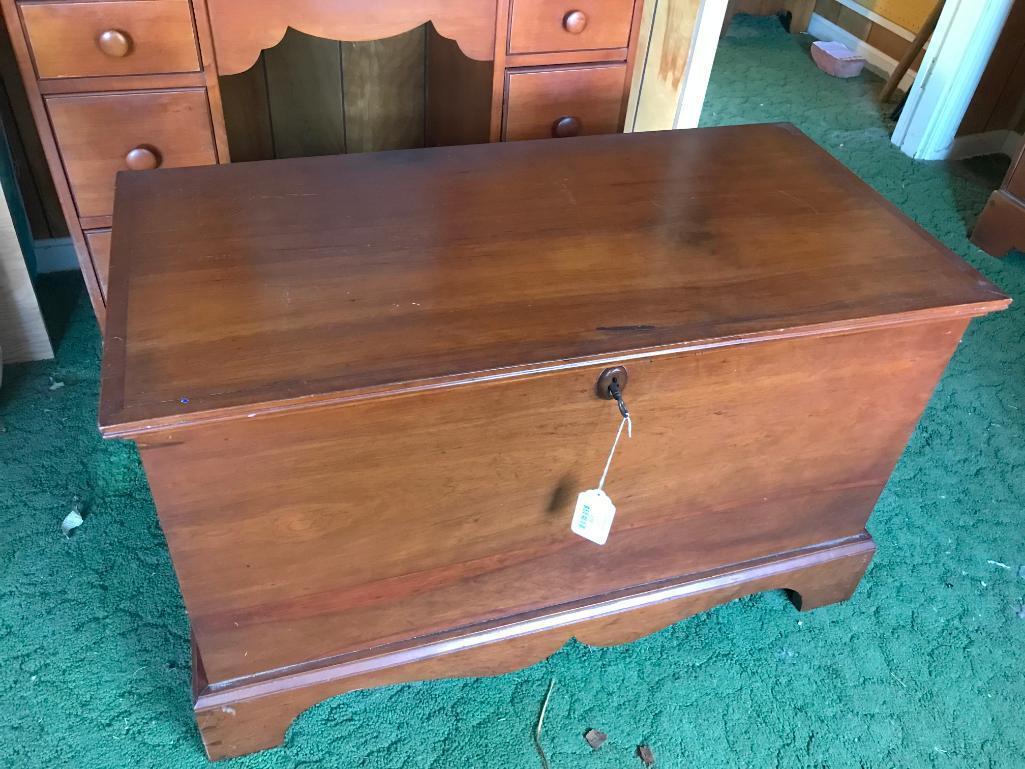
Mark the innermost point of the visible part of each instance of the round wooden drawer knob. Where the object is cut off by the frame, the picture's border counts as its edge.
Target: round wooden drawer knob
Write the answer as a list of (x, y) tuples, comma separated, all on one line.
[(575, 22), (566, 126), (115, 43), (142, 159)]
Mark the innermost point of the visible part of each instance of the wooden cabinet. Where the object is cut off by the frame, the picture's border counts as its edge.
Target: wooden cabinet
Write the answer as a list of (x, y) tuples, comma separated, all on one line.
[(366, 432), (130, 37), (115, 85), (136, 84), (101, 134), (564, 101), (1001, 225), (541, 26)]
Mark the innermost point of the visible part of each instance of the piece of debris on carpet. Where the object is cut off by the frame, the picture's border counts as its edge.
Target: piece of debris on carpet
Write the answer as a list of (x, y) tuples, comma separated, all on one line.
[(73, 519), (541, 723), (595, 738), (644, 753)]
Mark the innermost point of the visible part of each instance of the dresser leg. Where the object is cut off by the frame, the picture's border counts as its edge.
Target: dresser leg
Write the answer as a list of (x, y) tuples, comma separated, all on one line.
[(246, 727), (1001, 225), (235, 726), (832, 582)]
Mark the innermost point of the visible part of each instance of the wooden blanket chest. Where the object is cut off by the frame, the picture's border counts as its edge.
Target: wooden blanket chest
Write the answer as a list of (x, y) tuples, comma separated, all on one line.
[(368, 389)]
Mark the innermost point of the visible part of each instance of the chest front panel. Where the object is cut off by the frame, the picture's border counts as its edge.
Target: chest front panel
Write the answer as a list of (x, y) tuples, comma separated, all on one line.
[(340, 528)]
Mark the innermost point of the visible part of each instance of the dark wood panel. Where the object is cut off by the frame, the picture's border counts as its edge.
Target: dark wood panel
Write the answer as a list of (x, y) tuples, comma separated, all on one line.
[(27, 190), (34, 180), (383, 92), (368, 98), (304, 87), (1001, 91), (458, 94), (385, 271), (247, 114)]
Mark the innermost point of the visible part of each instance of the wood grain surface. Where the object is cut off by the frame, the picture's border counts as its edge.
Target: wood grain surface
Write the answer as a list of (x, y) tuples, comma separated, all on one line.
[(536, 99), (97, 131), (364, 391), (1001, 225), (66, 37), (540, 26), (240, 34), (455, 115), (318, 279), (321, 532), (384, 92), (304, 91), (99, 250), (254, 715)]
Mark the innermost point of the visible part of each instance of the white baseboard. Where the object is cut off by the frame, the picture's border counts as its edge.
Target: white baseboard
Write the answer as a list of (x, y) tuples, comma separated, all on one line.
[(876, 61), (55, 255), (989, 143)]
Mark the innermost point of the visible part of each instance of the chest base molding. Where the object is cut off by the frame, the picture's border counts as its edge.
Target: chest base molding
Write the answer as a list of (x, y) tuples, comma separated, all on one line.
[(255, 712)]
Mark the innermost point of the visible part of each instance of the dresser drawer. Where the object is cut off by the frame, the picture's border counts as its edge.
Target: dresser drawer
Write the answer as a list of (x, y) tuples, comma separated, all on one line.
[(101, 134), (99, 252), (540, 26), (576, 101), (118, 38)]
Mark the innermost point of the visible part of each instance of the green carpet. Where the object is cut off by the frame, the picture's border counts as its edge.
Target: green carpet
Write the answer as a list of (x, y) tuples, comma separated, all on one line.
[(922, 668)]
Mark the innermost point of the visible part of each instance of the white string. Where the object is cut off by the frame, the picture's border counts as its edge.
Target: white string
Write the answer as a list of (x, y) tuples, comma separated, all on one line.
[(628, 423)]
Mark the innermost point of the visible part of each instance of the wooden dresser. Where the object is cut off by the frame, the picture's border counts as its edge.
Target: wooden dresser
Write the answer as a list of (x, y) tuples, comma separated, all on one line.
[(118, 85), (1001, 225), (368, 389)]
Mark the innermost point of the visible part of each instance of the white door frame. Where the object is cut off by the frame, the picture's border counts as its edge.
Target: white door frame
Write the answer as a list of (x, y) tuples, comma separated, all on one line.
[(704, 43), (965, 36), (674, 61)]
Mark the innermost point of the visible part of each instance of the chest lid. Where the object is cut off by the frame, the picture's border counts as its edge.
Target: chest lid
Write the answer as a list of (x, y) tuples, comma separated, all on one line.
[(251, 287)]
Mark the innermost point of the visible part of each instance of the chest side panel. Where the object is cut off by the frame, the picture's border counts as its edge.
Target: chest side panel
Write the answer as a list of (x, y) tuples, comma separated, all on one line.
[(319, 532)]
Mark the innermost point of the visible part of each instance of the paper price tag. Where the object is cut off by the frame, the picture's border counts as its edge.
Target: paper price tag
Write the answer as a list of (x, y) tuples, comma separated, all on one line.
[(592, 518)]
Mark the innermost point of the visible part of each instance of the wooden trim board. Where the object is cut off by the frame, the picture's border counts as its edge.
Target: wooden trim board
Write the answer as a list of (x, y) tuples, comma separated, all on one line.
[(250, 714), (23, 334), (875, 18)]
